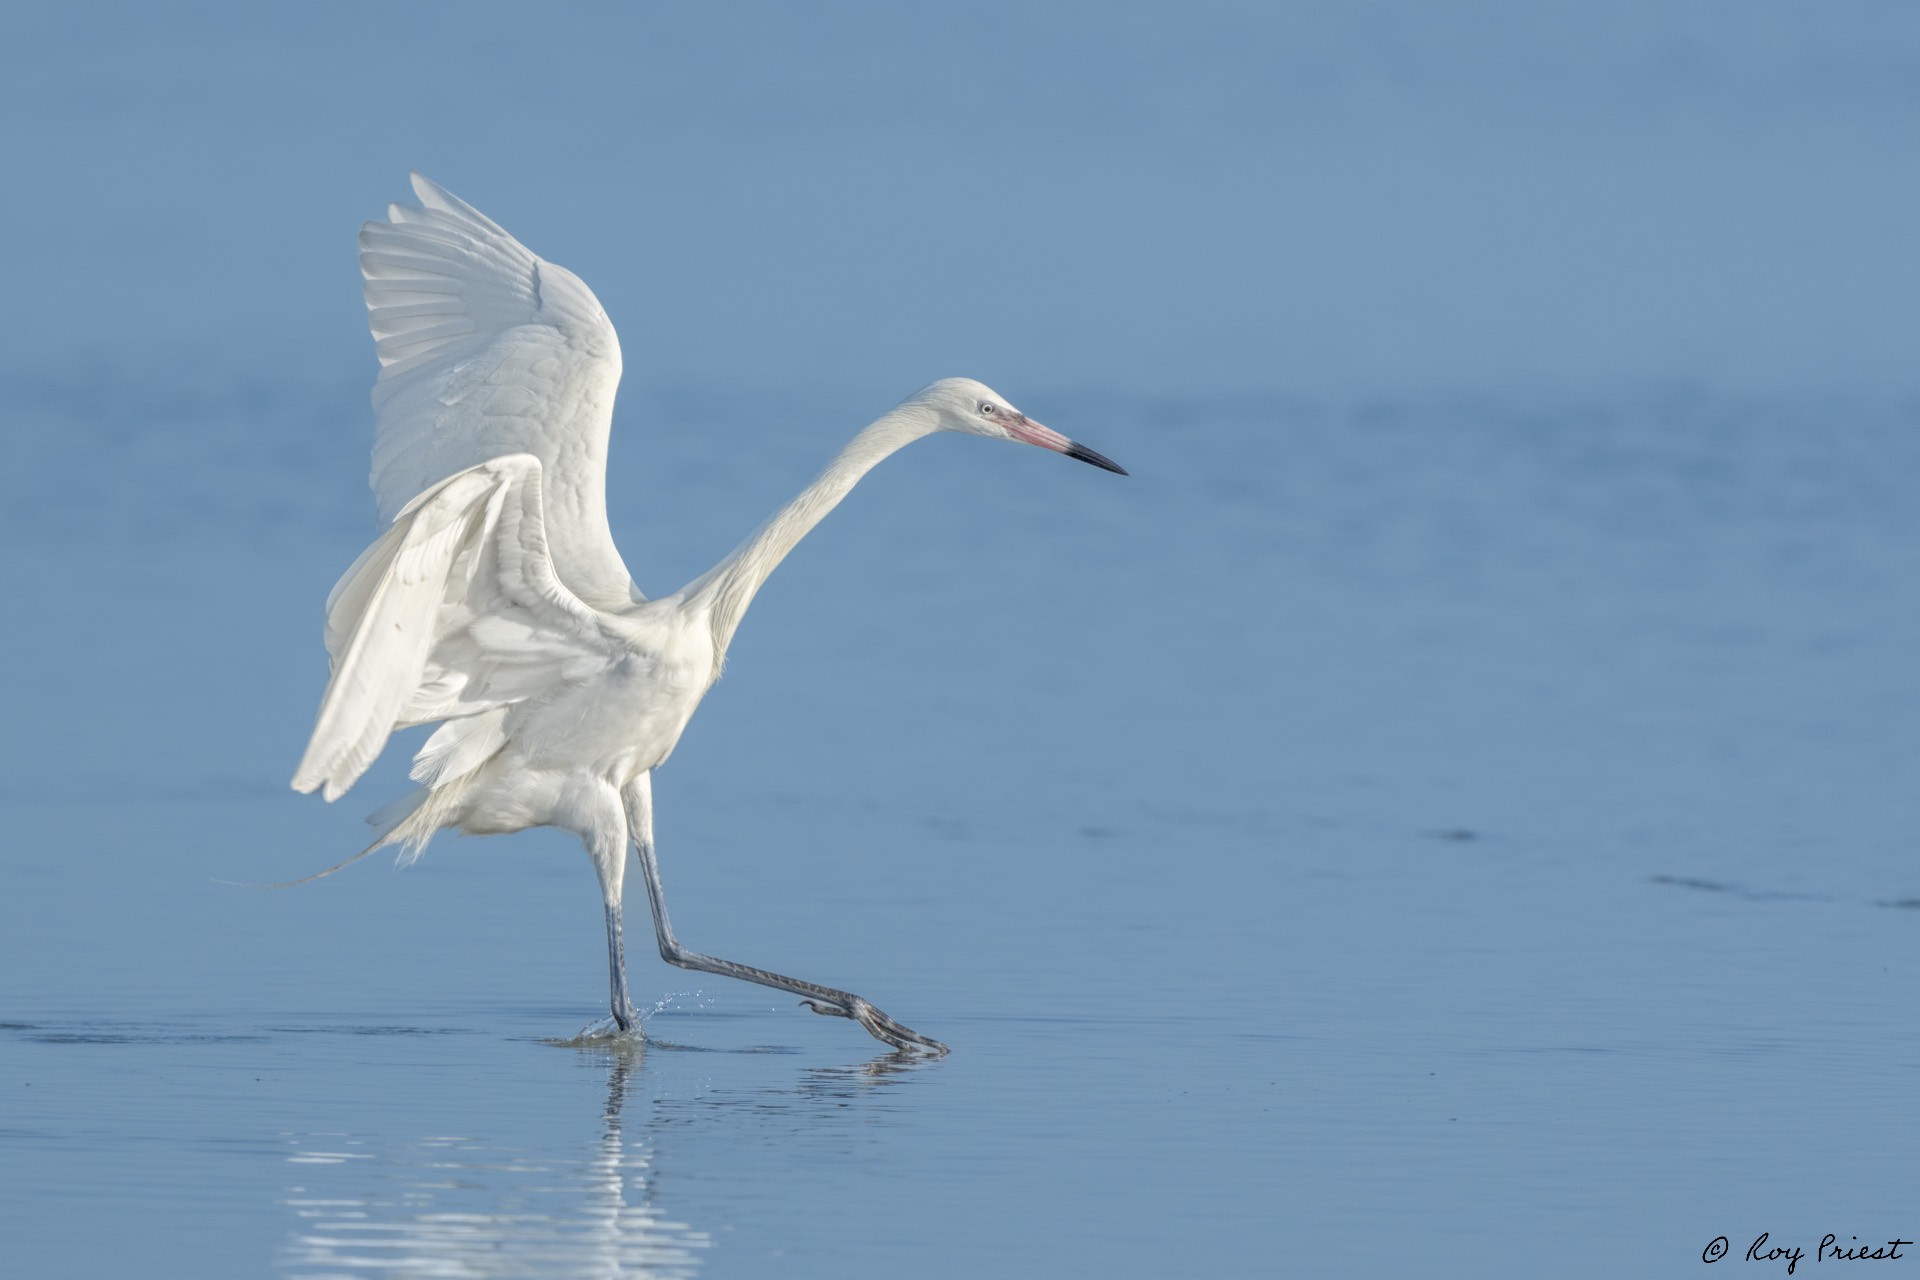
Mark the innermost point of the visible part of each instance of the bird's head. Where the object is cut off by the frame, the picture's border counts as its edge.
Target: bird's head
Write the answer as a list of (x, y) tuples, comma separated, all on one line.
[(961, 404)]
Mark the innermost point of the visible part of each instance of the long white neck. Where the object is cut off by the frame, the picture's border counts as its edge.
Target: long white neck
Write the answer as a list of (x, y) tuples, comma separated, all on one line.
[(728, 588)]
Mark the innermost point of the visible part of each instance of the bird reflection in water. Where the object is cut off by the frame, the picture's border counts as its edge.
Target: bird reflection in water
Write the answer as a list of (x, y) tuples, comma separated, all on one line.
[(456, 1206)]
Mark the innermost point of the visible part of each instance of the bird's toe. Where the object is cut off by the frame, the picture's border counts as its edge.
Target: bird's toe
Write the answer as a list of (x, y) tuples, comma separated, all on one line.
[(829, 1010)]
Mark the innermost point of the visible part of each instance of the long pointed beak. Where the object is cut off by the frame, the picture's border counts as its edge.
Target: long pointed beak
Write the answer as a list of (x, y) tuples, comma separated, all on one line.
[(1027, 431), (1075, 449)]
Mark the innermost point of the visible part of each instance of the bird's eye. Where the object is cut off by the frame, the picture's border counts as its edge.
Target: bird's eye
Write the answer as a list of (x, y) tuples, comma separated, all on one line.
[(987, 408)]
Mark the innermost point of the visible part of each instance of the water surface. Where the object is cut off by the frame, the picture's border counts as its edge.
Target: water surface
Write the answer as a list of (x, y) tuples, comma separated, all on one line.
[(1384, 836)]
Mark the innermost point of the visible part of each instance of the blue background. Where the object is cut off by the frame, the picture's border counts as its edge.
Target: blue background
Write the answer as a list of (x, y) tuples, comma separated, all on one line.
[(1450, 812)]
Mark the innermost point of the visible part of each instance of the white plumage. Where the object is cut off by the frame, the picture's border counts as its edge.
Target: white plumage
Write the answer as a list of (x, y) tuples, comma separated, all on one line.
[(486, 350), (496, 604)]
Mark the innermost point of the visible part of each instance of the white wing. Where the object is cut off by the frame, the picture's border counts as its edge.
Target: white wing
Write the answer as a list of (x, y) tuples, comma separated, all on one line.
[(486, 350), (455, 614)]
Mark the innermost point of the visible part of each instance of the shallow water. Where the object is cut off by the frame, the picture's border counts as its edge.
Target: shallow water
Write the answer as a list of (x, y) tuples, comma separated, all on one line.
[(1375, 838)]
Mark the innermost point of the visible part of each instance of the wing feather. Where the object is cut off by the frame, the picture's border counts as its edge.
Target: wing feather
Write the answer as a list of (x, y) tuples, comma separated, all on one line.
[(455, 614), (487, 350)]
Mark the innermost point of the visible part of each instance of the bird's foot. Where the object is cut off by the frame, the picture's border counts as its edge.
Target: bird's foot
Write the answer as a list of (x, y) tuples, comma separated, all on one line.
[(602, 1029), (878, 1025), (613, 1027)]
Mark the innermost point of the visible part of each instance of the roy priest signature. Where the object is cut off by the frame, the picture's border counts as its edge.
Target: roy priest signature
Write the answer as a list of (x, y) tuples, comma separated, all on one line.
[(1830, 1249)]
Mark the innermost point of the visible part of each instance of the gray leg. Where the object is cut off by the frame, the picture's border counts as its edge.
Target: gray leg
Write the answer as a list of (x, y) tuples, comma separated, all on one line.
[(623, 1012), (827, 1000), (604, 832)]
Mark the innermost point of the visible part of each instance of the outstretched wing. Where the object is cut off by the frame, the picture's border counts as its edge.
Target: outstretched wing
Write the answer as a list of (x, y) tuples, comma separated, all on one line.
[(455, 614), (487, 350)]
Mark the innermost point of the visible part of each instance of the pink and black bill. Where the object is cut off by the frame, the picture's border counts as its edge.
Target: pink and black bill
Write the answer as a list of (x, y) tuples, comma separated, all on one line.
[(1028, 431)]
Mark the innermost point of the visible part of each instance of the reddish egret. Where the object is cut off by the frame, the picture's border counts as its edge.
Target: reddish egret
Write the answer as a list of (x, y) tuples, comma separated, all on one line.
[(495, 603)]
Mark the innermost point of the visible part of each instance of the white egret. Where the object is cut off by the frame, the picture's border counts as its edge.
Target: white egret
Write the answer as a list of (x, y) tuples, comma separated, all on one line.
[(495, 602)]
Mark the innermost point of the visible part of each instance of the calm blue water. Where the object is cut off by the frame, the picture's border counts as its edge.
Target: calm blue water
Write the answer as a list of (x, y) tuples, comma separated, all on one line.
[(1457, 822), (1407, 837)]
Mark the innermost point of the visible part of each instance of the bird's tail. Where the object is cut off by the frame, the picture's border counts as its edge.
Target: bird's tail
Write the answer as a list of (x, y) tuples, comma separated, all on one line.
[(411, 820), (318, 875), (408, 822)]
